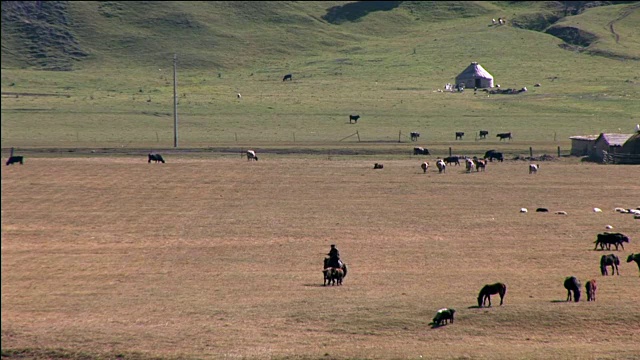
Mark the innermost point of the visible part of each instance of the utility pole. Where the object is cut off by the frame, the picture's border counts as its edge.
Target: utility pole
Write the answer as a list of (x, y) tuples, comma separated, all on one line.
[(175, 102)]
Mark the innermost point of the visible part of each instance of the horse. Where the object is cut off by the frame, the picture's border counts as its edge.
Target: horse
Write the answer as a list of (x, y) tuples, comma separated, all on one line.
[(287, 77), (15, 159), (572, 285), (452, 160), (483, 134), (609, 260), (155, 157), (591, 288), (503, 136), (488, 290), (334, 275), (609, 239), (443, 315), (251, 155), (354, 118), (424, 166), (636, 258), (459, 135), (442, 167)]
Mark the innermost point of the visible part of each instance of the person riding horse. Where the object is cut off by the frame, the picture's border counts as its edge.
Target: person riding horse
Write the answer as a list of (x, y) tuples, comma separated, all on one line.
[(334, 257)]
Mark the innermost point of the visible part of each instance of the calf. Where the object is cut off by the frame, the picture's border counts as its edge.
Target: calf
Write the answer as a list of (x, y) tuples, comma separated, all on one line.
[(533, 168), (442, 167), (155, 157), (459, 135), (591, 288), (481, 164), (287, 77), (251, 155), (15, 159), (443, 315), (354, 118)]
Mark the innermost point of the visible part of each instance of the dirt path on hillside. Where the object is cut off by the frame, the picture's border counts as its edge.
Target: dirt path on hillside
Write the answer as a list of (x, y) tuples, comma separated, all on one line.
[(624, 15)]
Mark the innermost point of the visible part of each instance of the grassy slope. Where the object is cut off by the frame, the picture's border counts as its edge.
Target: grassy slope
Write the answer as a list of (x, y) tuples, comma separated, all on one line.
[(385, 66)]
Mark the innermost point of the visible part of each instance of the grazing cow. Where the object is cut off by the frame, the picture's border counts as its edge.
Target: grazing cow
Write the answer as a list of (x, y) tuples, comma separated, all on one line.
[(503, 136), (442, 316), (470, 165), (459, 135), (492, 154), (155, 157), (573, 286), (542, 210), (636, 258), (442, 167), (483, 134), (15, 159), (287, 77), (533, 168), (415, 135), (488, 290), (354, 118), (481, 164), (609, 260), (452, 160), (420, 151), (591, 288), (378, 166), (424, 166), (609, 239), (251, 155)]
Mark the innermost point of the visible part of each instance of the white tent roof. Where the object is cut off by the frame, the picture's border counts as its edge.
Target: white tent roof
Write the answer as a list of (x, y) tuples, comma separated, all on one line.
[(475, 71)]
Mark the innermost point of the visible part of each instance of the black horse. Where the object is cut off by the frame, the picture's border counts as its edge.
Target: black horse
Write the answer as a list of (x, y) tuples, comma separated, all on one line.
[(636, 258), (334, 275), (609, 260), (287, 77), (572, 285), (155, 157), (488, 290)]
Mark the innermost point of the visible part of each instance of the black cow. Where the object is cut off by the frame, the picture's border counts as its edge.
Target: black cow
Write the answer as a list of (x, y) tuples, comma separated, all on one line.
[(155, 157), (15, 159), (452, 160), (607, 239), (378, 166), (420, 151), (492, 154), (503, 136), (287, 77), (459, 135), (354, 118), (483, 134), (415, 135)]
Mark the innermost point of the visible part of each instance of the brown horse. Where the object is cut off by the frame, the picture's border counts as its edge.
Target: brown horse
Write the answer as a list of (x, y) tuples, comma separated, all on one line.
[(488, 290), (591, 290)]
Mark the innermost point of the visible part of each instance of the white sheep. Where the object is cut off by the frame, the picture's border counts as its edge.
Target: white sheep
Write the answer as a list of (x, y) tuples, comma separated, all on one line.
[(523, 210)]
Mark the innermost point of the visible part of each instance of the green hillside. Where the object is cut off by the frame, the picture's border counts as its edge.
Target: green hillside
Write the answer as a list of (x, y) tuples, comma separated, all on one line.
[(108, 70)]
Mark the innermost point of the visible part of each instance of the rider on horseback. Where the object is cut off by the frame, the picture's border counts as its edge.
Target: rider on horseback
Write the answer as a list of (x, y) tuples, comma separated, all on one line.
[(334, 257)]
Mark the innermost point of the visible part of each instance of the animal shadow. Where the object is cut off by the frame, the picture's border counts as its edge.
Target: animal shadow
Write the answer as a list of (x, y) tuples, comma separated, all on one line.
[(474, 307), (558, 301)]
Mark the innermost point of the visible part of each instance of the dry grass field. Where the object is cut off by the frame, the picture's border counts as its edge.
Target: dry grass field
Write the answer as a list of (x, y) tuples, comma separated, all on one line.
[(220, 258)]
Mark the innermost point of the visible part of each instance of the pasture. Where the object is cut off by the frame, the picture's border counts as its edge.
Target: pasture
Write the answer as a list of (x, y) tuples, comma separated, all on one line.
[(211, 256)]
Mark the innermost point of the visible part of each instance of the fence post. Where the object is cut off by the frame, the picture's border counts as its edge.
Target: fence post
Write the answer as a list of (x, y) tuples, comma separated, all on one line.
[(294, 136), (530, 152), (399, 135), (357, 133), (449, 151), (558, 151)]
